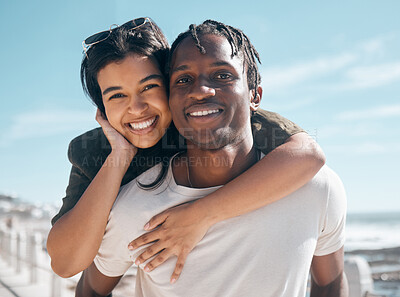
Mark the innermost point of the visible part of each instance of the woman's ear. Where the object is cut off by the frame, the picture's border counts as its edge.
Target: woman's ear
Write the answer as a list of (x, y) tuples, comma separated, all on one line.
[(256, 99)]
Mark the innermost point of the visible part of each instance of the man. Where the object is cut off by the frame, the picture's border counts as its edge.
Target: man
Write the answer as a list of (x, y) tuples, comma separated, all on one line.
[(214, 87)]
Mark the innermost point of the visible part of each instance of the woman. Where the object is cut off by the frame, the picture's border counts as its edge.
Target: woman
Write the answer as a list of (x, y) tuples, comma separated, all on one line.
[(123, 74)]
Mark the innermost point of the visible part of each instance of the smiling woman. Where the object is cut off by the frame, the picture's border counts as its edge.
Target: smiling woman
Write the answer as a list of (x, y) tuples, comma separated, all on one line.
[(135, 99), (123, 75)]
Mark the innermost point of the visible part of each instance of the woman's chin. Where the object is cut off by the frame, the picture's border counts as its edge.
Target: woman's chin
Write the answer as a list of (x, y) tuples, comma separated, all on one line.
[(145, 142)]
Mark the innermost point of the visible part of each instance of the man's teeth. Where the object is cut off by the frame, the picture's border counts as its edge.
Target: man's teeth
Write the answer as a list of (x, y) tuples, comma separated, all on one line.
[(203, 112), (142, 125)]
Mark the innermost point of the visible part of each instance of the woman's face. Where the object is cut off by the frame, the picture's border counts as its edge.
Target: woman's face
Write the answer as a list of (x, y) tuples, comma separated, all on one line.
[(135, 99)]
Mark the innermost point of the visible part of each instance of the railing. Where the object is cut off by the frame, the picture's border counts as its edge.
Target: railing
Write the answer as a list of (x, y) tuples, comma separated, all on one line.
[(27, 251)]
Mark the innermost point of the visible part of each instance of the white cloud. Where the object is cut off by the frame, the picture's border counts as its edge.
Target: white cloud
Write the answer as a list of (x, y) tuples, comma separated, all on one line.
[(372, 76), (383, 111), (366, 148), (283, 77), (44, 123), (358, 68), (356, 130)]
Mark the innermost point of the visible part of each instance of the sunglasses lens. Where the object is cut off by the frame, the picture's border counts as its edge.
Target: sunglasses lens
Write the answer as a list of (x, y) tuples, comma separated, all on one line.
[(135, 23), (97, 37), (139, 21)]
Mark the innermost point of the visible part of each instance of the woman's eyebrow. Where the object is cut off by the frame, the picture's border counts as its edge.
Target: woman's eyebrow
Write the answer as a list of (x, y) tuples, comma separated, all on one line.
[(150, 77), (110, 89)]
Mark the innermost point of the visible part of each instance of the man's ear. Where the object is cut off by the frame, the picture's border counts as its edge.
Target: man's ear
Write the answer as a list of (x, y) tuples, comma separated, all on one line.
[(256, 99)]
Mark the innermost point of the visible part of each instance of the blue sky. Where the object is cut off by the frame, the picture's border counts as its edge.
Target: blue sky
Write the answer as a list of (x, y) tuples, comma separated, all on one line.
[(333, 68)]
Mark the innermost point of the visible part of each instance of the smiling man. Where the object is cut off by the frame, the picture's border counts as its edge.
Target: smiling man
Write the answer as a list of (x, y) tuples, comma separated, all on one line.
[(214, 88)]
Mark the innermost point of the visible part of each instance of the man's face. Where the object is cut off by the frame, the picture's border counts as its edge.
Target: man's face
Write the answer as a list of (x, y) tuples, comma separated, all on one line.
[(209, 94)]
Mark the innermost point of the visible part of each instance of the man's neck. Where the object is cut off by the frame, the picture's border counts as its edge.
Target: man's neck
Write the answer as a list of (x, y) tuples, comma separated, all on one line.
[(201, 168)]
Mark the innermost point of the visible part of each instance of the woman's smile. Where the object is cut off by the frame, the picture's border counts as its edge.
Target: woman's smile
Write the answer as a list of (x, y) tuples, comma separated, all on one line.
[(135, 99)]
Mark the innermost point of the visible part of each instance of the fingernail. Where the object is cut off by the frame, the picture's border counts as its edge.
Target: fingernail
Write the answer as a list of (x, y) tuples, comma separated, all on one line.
[(173, 281), (146, 226), (130, 247), (137, 262), (147, 269)]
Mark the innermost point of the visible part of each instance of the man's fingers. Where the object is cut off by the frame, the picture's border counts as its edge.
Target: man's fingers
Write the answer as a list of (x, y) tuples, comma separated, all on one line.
[(156, 220), (158, 260), (144, 239), (148, 253), (179, 267)]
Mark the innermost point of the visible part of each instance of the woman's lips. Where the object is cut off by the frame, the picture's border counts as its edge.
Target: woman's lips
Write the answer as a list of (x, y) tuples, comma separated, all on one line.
[(143, 127)]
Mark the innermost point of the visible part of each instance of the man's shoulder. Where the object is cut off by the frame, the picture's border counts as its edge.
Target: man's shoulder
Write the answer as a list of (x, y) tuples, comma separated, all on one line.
[(321, 184), (89, 150), (327, 184)]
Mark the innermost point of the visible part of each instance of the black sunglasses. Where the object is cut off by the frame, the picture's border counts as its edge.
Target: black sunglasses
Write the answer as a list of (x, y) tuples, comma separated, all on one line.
[(101, 36)]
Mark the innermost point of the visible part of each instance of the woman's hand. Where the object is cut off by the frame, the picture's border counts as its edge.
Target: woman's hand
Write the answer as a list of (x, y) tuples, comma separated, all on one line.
[(117, 141), (179, 230)]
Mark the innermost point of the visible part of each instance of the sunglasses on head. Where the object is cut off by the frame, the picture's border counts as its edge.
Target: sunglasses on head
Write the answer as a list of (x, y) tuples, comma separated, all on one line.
[(101, 36)]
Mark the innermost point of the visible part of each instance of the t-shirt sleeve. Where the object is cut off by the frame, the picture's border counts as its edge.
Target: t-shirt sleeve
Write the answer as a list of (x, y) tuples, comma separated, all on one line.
[(270, 130), (332, 235), (113, 257)]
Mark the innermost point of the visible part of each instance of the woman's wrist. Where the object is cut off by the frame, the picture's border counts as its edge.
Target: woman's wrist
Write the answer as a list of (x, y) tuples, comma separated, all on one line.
[(120, 158), (206, 212)]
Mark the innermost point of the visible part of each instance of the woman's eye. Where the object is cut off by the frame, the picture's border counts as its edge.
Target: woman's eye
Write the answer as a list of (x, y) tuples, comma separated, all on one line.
[(148, 87), (118, 95)]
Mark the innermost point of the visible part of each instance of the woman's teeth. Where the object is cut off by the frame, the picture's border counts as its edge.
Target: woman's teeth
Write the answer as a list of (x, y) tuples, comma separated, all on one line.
[(203, 112), (142, 125)]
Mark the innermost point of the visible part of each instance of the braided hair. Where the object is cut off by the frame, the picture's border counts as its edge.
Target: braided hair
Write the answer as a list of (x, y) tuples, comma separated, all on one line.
[(239, 42)]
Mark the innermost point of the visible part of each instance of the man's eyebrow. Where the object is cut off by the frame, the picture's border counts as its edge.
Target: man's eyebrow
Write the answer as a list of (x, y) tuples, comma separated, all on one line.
[(221, 63), (110, 89), (180, 68), (215, 64)]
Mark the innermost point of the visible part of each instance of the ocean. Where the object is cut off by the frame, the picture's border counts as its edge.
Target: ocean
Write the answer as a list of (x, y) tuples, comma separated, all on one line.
[(372, 231), (376, 238)]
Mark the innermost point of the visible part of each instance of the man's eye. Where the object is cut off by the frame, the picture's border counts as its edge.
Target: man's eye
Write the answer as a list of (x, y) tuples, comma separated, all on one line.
[(183, 80), (116, 96), (148, 87), (223, 76)]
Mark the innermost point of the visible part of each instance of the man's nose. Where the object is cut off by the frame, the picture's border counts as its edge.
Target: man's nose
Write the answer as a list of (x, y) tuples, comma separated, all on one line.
[(202, 89), (137, 105)]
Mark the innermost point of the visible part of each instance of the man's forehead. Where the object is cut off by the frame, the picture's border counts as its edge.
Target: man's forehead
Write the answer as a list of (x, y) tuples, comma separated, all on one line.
[(216, 47)]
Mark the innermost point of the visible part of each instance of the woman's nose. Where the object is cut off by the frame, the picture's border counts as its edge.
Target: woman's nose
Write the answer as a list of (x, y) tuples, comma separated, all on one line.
[(137, 105)]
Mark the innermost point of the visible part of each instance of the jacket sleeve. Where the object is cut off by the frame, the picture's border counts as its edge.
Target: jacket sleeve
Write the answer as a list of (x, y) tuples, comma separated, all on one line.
[(78, 183), (270, 130), (86, 153)]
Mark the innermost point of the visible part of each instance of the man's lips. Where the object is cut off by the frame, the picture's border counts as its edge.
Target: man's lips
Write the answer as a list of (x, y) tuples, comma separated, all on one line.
[(203, 110)]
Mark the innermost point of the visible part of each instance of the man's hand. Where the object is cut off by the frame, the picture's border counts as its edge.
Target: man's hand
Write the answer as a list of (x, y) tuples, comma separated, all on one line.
[(179, 230), (328, 277)]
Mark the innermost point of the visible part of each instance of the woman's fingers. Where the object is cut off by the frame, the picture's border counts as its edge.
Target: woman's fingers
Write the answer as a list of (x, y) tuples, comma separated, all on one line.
[(179, 266), (149, 252), (156, 220), (144, 239), (158, 260)]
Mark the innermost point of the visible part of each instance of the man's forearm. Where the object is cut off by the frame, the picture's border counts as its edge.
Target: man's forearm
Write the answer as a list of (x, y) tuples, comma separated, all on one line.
[(337, 288)]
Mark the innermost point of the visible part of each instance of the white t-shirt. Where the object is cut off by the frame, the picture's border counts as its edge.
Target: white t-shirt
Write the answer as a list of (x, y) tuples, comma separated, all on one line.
[(267, 252)]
